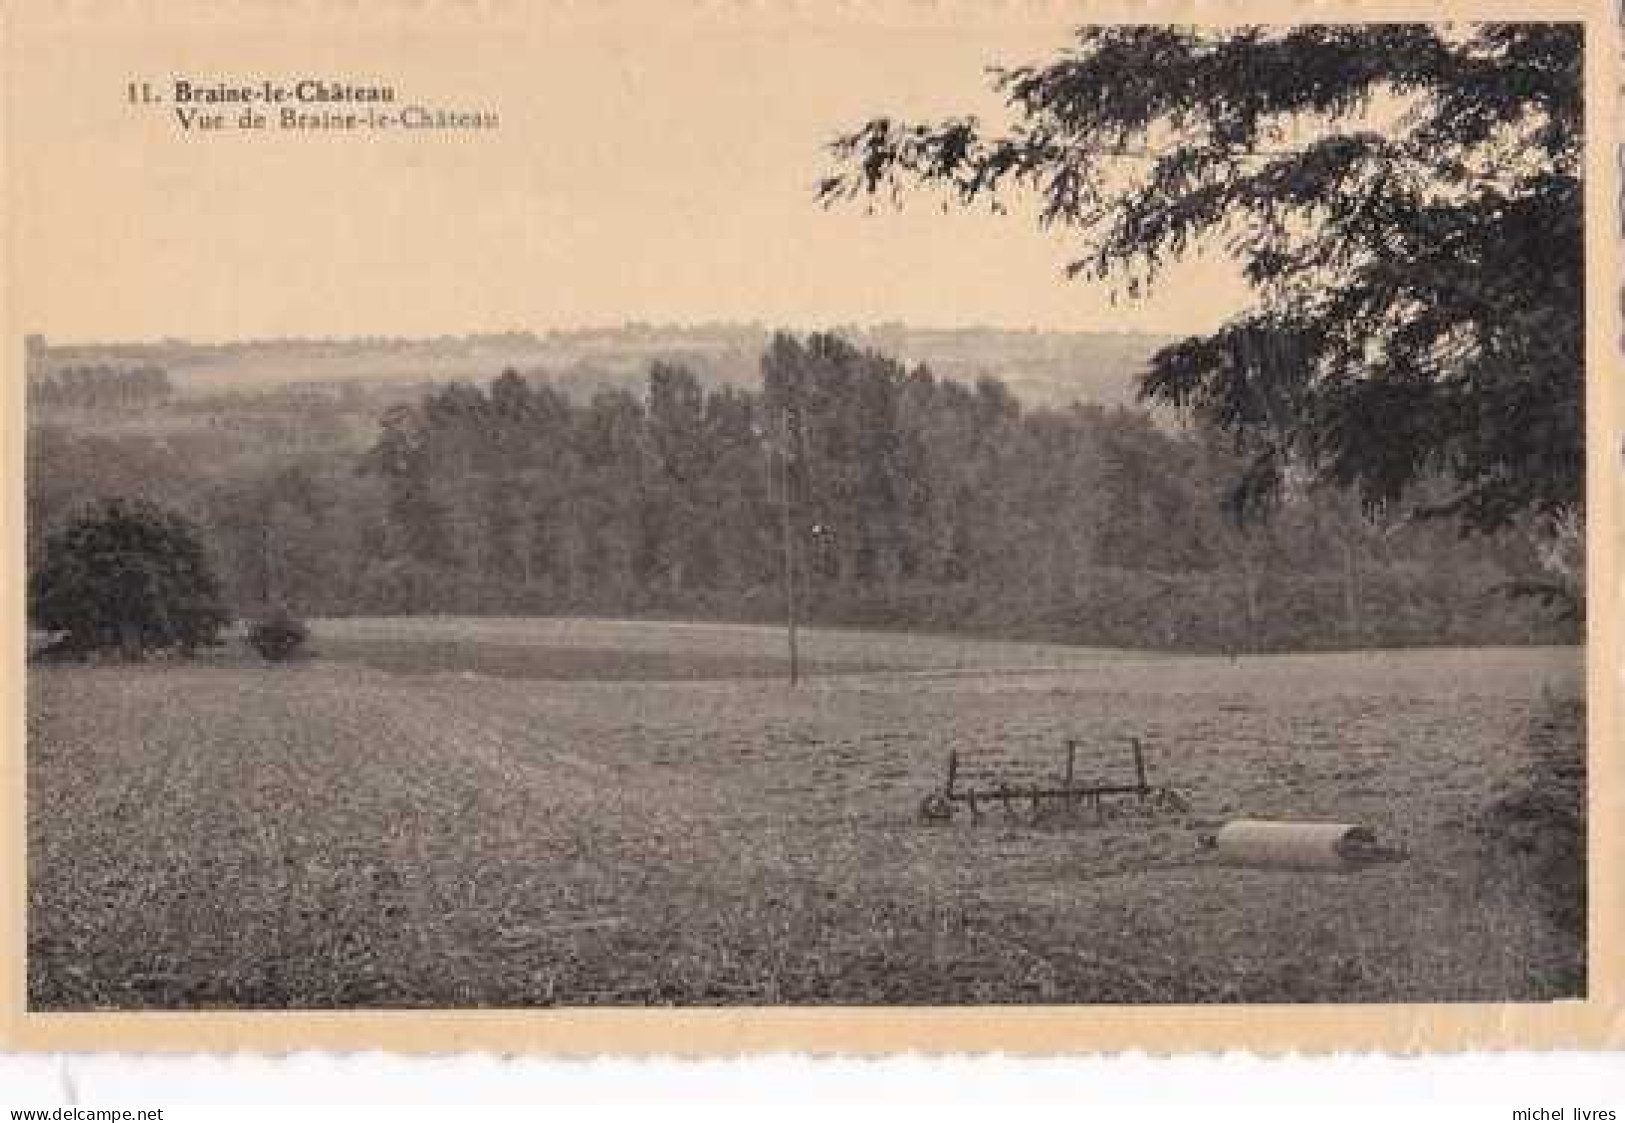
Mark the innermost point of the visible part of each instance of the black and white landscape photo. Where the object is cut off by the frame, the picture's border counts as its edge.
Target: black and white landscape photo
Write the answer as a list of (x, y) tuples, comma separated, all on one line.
[(826, 512)]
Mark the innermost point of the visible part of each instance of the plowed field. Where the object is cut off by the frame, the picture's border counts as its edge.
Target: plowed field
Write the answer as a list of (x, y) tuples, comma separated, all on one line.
[(422, 817)]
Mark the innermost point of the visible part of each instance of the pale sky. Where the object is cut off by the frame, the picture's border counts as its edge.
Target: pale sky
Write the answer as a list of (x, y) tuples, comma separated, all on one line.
[(644, 170)]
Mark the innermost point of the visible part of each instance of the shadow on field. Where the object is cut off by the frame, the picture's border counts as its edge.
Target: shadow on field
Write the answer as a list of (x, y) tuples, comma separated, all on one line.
[(1535, 835)]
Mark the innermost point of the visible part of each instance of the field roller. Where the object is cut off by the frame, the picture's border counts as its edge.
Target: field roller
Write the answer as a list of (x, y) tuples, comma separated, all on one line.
[(1285, 845)]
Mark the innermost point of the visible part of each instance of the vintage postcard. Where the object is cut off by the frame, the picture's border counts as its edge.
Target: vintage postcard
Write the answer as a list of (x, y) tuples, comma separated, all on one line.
[(716, 527)]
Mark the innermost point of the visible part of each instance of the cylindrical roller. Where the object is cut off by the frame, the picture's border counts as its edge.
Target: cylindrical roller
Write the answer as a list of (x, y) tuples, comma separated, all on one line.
[(1298, 846)]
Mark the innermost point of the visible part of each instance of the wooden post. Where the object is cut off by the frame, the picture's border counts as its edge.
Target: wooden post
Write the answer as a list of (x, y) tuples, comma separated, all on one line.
[(1139, 767), (953, 772), (789, 555), (1071, 770)]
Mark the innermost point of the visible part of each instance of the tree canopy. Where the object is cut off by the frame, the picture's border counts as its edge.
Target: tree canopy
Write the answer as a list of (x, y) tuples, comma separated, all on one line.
[(1405, 201), (130, 577), (918, 498)]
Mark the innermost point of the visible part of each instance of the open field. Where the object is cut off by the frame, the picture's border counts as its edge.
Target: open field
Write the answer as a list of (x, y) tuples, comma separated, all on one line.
[(564, 648), (472, 828)]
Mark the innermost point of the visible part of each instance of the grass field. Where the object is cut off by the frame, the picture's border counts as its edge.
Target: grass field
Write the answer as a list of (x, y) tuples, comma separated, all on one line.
[(510, 813), (665, 651)]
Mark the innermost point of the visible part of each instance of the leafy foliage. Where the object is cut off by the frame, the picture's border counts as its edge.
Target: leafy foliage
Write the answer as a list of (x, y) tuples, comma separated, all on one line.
[(1405, 200), (918, 501), (1540, 822), (127, 576)]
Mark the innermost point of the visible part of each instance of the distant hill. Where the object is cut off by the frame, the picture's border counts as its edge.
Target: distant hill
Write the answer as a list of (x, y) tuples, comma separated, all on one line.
[(1040, 367)]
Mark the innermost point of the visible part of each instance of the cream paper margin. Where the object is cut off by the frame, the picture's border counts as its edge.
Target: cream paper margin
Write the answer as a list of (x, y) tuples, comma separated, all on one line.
[(1596, 1022)]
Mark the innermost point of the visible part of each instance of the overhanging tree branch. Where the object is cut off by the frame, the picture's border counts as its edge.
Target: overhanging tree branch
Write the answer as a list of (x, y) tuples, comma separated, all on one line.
[(1405, 202)]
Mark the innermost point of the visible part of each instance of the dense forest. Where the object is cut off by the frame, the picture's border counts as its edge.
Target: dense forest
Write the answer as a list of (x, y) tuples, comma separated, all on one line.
[(909, 500)]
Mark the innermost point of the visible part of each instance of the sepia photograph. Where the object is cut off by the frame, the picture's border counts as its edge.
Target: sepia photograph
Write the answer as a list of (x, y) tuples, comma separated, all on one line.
[(750, 509)]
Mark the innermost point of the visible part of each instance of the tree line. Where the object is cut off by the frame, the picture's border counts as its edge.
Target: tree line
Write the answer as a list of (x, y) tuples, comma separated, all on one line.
[(912, 501), (100, 388)]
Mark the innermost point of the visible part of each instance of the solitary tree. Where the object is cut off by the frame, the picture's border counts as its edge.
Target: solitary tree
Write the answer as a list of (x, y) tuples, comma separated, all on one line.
[(127, 577), (1405, 201)]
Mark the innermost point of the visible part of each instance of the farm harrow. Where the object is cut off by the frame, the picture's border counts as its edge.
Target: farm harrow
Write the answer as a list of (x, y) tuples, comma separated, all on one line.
[(1016, 785), (1021, 787)]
